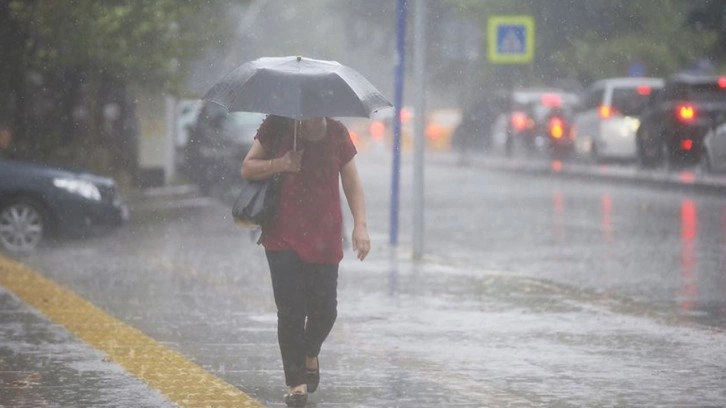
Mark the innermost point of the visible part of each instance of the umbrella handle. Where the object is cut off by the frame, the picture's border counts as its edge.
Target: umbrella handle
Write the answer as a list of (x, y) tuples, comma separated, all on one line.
[(294, 137)]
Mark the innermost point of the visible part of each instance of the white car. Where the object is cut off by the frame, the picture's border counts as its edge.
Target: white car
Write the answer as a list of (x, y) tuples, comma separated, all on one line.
[(715, 149), (605, 124)]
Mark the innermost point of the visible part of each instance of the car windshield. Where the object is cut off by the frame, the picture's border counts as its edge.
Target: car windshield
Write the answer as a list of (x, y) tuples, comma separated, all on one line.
[(241, 127), (630, 101)]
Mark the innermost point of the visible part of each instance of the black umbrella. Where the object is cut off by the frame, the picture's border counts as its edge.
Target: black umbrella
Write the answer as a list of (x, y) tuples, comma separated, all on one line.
[(298, 88)]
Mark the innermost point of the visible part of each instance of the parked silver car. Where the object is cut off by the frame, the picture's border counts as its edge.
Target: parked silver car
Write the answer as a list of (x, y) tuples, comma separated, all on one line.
[(606, 123)]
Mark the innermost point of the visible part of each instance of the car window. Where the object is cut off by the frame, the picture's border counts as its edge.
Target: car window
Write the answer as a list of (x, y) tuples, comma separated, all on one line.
[(630, 101), (594, 99), (210, 121)]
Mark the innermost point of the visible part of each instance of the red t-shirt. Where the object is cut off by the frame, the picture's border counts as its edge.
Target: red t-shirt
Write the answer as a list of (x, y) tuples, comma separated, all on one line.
[(309, 219)]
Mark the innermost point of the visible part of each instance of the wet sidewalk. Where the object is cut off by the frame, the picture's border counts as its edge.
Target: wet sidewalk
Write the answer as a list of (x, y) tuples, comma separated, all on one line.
[(408, 335), (43, 365)]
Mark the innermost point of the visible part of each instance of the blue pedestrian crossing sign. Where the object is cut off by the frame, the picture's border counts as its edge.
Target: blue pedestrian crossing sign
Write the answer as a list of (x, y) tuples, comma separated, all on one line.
[(511, 39)]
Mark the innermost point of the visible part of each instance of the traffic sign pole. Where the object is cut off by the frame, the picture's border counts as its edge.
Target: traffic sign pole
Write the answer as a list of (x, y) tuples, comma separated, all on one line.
[(398, 101), (419, 65)]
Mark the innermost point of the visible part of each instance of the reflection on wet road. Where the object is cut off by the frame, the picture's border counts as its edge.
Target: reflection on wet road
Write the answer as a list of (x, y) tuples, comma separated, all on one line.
[(664, 248), (689, 228)]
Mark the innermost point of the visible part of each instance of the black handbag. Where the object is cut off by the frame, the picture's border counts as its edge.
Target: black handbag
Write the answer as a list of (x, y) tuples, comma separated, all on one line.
[(257, 202)]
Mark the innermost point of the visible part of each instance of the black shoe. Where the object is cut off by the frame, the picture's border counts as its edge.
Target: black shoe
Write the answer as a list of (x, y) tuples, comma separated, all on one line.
[(296, 399), (312, 377)]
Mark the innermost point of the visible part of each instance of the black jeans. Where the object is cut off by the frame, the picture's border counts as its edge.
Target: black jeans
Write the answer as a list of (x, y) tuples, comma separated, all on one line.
[(307, 301)]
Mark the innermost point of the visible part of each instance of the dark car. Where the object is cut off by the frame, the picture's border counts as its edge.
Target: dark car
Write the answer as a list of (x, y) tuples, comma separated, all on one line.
[(474, 130), (676, 119), (37, 201), (218, 143), (714, 147)]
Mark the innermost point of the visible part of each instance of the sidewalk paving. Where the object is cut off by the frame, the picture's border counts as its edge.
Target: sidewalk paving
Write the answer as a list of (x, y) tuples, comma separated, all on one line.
[(415, 335), (43, 365)]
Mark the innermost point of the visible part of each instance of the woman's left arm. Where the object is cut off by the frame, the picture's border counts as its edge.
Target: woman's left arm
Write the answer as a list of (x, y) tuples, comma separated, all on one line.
[(356, 201)]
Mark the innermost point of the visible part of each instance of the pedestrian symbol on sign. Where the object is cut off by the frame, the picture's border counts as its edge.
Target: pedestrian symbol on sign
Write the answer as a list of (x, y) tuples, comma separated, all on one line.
[(511, 39)]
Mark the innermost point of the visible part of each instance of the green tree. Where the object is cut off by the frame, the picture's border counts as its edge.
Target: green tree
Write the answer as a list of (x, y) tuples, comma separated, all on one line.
[(69, 57), (660, 39), (710, 15)]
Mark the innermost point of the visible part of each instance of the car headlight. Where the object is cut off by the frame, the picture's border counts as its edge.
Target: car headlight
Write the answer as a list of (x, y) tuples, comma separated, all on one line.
[(82, 188)]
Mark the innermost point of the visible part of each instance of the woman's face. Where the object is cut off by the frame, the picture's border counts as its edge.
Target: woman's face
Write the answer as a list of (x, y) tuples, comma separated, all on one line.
[(313, 128)]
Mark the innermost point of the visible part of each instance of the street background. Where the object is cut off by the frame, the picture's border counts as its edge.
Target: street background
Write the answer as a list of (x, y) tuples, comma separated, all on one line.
[(549, 276)]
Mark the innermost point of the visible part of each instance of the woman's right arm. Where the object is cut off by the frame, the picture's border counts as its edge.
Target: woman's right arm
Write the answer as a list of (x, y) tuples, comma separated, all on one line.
[(258, 166)]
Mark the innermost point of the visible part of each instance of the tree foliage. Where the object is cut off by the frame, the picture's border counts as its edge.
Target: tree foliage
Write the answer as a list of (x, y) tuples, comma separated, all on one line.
[(594, 39), (710, 15), (144, 42), (65, 83)]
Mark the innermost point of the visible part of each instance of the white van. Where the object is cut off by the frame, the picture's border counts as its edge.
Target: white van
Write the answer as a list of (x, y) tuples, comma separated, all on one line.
[(606, 122)]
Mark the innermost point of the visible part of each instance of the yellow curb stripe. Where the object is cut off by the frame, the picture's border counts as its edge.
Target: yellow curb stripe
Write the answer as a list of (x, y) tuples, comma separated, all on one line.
[(182, 381)]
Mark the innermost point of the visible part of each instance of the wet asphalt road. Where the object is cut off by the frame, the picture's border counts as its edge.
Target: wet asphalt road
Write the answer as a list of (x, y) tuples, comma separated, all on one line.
[(664, 248), (535, 291)]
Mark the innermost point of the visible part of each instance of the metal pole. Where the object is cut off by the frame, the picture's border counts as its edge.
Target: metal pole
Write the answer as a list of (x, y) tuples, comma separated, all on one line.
[(419, 72), (398, 100), (170, 137)]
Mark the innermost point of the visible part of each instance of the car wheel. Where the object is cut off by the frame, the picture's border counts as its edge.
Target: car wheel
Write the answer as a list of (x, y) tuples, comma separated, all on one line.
[(509, 146), (595, 153), (22, 225), (706, 162), (560, 153), (667, 156), (645, 159)]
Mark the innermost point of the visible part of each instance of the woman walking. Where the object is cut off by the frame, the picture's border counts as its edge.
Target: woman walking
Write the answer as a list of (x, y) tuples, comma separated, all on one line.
[(304, 246)]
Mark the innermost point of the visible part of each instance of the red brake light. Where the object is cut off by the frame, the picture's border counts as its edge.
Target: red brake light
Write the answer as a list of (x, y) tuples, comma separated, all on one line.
[(557, 128), (354, 137), (686, 144), (644, 90), (551, 100), (434, 131), (378, 130), (722, 82), (519, 121), (406, 115), (686, 113)]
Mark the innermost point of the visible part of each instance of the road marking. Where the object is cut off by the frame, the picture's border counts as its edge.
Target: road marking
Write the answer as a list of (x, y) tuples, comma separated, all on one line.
[(182, 381)]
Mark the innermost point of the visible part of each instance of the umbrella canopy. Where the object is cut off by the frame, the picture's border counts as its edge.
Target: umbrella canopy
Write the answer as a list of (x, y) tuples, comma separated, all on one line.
[(298, 88)]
